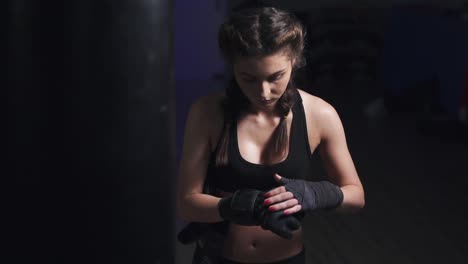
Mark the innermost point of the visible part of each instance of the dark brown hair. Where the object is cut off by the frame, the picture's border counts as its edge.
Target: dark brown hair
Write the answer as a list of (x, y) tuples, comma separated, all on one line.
[(259, 32)]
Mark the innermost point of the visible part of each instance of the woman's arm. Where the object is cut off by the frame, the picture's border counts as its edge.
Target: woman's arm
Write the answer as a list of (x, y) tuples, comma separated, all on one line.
[(192, 204), (343, 190), (337, 159)]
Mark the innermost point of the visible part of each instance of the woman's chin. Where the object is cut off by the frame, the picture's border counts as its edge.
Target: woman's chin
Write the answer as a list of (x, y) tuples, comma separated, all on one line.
[(265, 105)]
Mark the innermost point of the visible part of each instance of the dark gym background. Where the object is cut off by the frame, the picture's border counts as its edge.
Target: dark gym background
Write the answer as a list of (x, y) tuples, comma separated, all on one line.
[(91, 127), (97, 94)]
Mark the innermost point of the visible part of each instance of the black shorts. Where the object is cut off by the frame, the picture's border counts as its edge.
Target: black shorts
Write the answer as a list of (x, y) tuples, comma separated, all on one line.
[(200, 258)]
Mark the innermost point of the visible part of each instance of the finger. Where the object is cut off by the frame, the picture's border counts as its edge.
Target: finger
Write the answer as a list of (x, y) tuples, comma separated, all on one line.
[(284, 196), (282, 180), (277, 177), (275, 191), (293, 210), (286, 205)]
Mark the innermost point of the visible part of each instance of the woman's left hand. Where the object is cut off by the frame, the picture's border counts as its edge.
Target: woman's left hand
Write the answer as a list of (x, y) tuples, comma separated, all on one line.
[(280, 199)]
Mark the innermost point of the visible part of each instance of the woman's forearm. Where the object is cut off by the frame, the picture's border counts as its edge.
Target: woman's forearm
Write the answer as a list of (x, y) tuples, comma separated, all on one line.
[(199, 208), (353, 199)]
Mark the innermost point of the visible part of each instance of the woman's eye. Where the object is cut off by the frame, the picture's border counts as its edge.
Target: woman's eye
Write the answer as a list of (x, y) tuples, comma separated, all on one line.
[(272, 79), (276, 78)]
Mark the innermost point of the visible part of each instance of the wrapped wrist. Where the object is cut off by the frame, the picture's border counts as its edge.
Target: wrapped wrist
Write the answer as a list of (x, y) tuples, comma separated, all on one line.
[(244, 207), (328, 195), (314, 195)]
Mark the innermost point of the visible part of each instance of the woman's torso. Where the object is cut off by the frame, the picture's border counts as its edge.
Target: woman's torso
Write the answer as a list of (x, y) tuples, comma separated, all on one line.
[(247, 169)]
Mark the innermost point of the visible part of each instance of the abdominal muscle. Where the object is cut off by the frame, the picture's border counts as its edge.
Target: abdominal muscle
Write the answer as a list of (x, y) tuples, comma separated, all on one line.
[(252, 244)]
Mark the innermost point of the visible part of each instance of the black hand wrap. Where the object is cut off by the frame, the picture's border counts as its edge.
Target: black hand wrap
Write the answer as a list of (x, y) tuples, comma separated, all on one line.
[(245, 207), (281, 224), (314, 195)]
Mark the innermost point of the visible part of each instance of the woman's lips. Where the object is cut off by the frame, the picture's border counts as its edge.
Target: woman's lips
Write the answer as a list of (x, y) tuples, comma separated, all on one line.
[(266, 101)]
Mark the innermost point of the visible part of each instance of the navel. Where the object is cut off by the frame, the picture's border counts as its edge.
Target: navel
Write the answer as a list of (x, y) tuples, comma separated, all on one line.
[(254, 245)]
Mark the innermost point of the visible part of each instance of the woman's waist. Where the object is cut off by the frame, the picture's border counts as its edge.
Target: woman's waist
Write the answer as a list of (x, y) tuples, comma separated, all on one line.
[(254, 244), (242, 234)]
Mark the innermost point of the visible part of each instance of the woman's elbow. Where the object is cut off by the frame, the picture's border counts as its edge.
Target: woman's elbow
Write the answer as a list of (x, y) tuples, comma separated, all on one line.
[(181, 210), (354, 202), (351, 207), (360, 202)]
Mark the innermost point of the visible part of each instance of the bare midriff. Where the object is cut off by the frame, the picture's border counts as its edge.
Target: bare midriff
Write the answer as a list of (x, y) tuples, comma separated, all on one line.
[(252, 244)]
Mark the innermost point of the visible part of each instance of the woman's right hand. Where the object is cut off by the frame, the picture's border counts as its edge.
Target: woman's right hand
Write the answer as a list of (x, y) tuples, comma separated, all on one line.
[(245, 207)]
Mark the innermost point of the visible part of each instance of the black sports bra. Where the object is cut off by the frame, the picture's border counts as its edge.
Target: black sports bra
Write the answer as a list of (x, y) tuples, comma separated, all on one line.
[(242, 174)]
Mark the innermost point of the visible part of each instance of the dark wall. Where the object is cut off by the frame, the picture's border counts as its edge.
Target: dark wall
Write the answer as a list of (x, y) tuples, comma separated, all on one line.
[(196, 52), (90, 131)]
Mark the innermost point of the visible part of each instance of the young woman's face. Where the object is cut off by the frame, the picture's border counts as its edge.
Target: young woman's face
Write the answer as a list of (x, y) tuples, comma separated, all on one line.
[(263, 80)]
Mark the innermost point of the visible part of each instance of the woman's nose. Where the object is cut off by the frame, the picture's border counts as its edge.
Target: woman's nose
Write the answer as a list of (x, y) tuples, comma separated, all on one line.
[(266, 90)]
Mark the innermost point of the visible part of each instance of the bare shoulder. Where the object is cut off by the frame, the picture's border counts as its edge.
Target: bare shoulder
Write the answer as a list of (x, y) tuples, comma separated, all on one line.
[(206, 112), (208, 106), (320, 113), (316, 105)]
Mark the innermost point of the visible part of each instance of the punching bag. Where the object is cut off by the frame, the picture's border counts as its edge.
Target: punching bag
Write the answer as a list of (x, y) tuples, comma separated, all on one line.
[(91, 144)]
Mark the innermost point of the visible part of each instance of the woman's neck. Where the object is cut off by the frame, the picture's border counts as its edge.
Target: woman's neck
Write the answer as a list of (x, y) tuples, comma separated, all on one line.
[(267, 113)]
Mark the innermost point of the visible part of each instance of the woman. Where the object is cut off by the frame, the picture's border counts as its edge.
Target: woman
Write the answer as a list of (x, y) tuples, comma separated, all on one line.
[(245, 167)]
